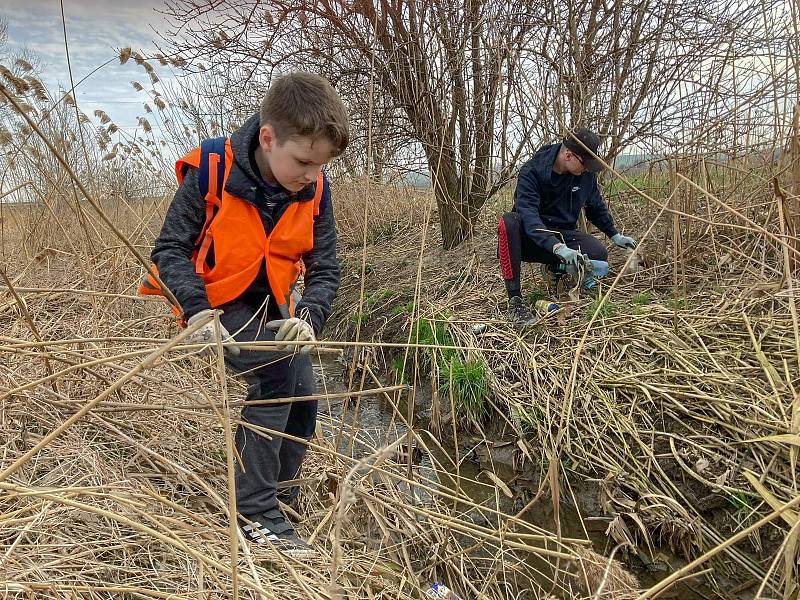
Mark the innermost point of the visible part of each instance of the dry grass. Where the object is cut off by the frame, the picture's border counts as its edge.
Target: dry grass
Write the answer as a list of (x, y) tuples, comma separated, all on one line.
[(113, 476), (673, 396), (132, 498)]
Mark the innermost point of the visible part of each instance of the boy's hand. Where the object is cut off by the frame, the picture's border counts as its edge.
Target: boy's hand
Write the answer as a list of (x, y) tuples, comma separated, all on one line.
[(292, 330), (205, 335)]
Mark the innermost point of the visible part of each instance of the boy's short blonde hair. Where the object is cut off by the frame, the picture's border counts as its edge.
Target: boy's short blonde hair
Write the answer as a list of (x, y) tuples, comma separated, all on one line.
[(306, 105)]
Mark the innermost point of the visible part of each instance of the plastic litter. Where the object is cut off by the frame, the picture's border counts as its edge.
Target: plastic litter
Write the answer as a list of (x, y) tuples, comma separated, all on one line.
[(546, 306), (441, 591)]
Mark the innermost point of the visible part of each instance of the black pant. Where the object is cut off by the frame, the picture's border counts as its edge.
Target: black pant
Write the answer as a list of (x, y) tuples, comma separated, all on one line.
[(268, 375), (514, 247)]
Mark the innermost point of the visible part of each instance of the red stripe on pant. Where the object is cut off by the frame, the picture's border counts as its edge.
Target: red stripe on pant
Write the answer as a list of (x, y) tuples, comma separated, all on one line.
[(503, 251)]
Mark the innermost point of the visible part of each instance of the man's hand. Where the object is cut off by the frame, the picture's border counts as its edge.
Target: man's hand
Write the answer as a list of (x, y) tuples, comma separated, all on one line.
[(623, 241), (292, 330), (568, 255), (205, 335)]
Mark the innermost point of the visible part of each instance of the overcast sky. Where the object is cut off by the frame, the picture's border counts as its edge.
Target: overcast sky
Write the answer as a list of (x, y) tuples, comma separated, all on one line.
[(96, 29)]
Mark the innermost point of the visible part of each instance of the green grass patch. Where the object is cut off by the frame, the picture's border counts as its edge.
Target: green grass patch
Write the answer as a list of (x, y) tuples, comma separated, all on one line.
[(742, 505), (607, 309), (649, 183), (404, 309), (432, 332), (639, 300), (467, 379), (616, 185), (398, 367), (676, 303), (642, 298), (359, 318), (426, 332), (536, 294)]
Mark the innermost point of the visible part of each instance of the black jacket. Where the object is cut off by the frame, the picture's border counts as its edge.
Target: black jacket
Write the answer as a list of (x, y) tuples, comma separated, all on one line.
[(173, 249), (547, 201)]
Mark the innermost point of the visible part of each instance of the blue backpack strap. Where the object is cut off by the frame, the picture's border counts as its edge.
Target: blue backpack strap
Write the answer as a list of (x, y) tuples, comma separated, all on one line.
[(323, 201), (212, 146)]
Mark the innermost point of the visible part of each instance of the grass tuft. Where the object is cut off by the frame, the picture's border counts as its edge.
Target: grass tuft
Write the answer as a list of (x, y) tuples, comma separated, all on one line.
[(607, 309), (469, 386)]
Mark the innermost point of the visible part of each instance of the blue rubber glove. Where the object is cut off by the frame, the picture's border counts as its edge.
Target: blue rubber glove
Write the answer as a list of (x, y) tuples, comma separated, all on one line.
[(623, 241), (568, 255)]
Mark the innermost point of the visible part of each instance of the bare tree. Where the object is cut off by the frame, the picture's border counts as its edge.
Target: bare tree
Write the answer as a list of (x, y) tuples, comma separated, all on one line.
[(637, 70), (442, 73), (472, 85)]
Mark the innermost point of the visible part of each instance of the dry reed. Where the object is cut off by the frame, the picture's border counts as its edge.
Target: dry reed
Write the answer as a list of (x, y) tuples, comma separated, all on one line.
[(673, 399)]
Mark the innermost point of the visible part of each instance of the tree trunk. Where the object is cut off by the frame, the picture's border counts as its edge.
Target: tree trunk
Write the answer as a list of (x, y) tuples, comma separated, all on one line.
[(455, 228), (455, 216)]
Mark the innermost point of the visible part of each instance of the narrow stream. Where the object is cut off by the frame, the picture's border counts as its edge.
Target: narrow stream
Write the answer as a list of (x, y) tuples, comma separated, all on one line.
[(377, 425)]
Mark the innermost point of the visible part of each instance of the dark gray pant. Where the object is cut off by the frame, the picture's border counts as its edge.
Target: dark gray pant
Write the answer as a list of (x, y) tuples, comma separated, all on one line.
[(514, 248), (268, 375)]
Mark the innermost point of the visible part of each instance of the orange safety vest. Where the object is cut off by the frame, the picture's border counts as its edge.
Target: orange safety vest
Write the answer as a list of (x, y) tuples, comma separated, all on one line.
[(240, 243)]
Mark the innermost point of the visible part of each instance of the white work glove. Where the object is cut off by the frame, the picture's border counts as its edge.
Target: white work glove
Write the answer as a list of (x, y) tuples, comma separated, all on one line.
[(205, 335), (623, 241), (292, 330)]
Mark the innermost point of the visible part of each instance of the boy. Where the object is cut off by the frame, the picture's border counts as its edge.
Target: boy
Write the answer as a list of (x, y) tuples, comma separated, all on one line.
[(242, 252)]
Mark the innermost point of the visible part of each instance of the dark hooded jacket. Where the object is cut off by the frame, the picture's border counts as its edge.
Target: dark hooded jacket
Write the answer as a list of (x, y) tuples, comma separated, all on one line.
[(172, 252), (547, 201)]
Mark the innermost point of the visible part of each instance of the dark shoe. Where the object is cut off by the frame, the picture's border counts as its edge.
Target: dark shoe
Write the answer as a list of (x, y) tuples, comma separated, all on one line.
[(271, 527), (518, 313)]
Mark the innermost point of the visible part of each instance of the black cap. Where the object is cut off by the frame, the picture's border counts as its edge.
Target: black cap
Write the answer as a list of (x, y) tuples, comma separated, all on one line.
[(590, 140)]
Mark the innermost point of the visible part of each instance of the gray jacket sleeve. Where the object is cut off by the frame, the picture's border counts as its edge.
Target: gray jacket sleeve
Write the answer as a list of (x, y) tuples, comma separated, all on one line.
[(322, 266), (172, 251)]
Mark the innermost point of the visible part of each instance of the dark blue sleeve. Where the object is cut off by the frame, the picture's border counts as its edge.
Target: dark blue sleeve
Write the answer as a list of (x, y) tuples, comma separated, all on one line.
[(526, 200), (321, 281), (597, 211)]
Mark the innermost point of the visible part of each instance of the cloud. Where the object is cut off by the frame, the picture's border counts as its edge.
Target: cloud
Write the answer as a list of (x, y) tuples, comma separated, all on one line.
[(96, 29), (131, 17)]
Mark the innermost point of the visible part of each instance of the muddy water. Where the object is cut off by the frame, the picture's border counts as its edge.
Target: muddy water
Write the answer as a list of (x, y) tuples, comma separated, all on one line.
[(365, 424)]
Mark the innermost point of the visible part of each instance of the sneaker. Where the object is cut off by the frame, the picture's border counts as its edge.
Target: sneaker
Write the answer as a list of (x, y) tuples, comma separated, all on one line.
[(271, 527), (518, 313)]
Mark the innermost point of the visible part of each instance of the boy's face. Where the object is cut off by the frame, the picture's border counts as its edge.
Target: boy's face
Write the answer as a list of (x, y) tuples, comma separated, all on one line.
[(295, 163)]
